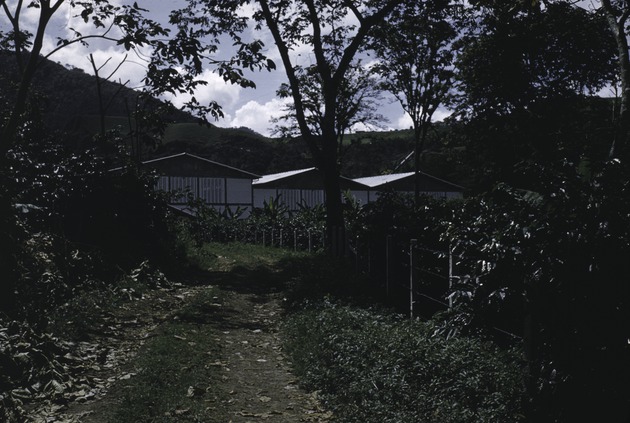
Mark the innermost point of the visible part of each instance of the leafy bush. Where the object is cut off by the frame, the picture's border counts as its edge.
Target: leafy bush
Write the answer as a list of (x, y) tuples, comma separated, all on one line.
[(552, 258), (272, 224), (371, 367)]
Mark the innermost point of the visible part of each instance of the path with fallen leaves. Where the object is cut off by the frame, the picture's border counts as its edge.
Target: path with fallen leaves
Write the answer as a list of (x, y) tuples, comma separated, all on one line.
[(254, 372)]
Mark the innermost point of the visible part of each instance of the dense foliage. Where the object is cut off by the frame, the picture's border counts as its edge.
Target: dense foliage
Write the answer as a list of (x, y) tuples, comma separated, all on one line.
[(370, 367), (273, 224), (541, 250), (553, 261)]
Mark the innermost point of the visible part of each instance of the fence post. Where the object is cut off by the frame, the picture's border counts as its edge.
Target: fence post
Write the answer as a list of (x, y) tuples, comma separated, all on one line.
[(295, 240), (356, 253), (310, 241), (412, 244), (264, 238), (281, 238), (388, 246), (450, 275)]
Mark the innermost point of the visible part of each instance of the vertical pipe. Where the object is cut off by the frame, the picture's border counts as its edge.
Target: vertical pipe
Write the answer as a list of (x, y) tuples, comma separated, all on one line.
[(388, 243), (450, 275), (310, 241), (356, 254), (412, 244)]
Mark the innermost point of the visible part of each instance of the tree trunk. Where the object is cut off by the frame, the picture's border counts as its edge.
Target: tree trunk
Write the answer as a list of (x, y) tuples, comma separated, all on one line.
[(420, 135), (617, 25), (327, 163), (9, 130)]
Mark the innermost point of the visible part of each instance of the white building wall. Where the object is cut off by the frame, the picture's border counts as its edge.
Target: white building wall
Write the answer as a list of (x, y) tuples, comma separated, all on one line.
[(212, 190), (239, 191), (310, 197), (361, 196), (290, 198), (262, 195)]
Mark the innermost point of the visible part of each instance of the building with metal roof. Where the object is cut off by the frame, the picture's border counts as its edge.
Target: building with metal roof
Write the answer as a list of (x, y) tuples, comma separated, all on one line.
[(219, 186), (300, 187), (405, 183)]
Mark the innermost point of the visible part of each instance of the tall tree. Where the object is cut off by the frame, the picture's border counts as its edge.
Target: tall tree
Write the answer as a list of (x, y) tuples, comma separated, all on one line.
[(518, 65), (415, 53), (334, 31), (617, 13)]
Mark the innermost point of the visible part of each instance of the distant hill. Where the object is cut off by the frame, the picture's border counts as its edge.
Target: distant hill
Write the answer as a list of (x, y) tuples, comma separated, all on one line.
[(69, 94), (69, 98)]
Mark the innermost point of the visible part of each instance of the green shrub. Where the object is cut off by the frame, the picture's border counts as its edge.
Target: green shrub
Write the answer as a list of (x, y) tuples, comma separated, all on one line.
[(371, 367)]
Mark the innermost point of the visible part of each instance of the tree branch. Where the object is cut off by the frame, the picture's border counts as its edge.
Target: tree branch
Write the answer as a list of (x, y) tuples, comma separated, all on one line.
[(283, 49), (358, 39), (357, 13), (318, 47)]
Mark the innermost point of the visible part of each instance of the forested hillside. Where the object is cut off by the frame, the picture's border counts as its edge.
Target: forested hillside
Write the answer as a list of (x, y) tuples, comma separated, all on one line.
[(69, 100)]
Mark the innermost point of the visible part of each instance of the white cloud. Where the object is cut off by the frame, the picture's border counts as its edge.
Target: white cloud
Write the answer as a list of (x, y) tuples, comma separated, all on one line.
[(225, 94), (404, 121), (257, 116), (441, 114)]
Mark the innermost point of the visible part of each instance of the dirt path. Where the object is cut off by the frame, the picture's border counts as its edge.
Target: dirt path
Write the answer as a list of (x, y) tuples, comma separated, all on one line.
[(254, 373)]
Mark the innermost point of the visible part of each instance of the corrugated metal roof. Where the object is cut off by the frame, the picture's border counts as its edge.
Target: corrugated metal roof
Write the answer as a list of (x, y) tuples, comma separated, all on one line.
[(277, 176), (253, 175), (374, 181)]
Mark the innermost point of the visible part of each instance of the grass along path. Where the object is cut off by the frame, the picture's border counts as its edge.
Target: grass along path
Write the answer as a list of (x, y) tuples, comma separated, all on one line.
[(209, 353)]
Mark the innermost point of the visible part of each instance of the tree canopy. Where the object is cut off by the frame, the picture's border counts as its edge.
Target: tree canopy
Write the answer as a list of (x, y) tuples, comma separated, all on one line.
[(333, 31)]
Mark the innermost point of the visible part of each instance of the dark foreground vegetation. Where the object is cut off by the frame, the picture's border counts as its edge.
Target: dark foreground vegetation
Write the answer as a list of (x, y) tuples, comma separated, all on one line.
[(371, 366), (541, 243), (543, 257)]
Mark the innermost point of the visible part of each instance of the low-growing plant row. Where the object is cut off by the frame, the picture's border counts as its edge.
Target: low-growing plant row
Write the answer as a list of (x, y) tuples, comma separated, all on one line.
[(373, 367)]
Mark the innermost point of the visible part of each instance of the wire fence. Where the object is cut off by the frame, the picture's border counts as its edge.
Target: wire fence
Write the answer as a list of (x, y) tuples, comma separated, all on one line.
[(415, 277), (310, 240), (410, 273)]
